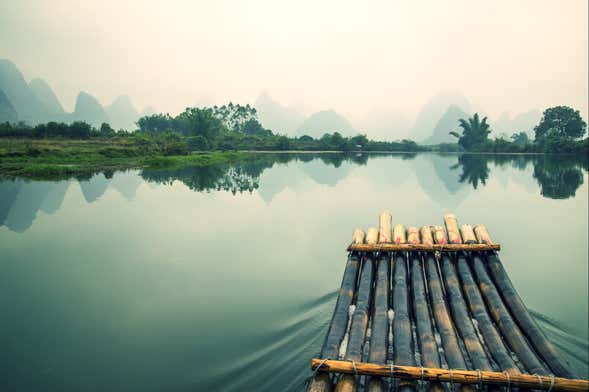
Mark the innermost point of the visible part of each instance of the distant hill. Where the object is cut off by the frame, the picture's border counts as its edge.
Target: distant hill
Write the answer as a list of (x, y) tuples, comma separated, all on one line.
[(7, 112), (35, 102), (278, 118), (523, 122), (45, 94), (447, 123), (89, 109), (385, 125), (122, 114), (326, 121), (432, 112), (29, 108)]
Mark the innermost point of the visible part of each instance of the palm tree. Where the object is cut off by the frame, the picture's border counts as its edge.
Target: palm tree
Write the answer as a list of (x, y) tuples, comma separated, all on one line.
[(474, 132)]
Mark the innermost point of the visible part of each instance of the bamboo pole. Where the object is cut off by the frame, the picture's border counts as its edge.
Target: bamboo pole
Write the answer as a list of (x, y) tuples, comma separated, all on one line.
[(371, 237), (359, 324), (504, 321), (440, 235), (339, 320), (428, 347), (443, 321), (385, 222), (426, 235), (413, 235), (468, 236), (402, 331), (461, 317), (482, 234), (440, 247), (520, 312), (399, 236), (478, 309), (380, 322), (457, 376), (452, 226), (320, 383), (338, 324), (358, 236)]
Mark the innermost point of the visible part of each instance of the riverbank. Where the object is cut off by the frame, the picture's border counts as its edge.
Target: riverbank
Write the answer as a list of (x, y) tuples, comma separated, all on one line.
[(59, 158)]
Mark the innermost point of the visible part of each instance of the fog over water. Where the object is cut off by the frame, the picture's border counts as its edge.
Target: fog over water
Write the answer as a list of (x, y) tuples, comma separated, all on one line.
[(363, 60)]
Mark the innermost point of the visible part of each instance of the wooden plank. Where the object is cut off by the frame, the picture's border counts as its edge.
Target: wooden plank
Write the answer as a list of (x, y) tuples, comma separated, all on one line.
[(450, 375), (422, 247)]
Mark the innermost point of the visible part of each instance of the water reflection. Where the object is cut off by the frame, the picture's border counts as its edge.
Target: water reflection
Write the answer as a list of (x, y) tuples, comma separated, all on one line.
[(446, 178), (474, 170)]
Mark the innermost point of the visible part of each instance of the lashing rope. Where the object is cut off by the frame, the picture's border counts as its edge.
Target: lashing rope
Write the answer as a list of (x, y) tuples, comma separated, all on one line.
[(551, 382), (421, 383), (508, 388), (480, 386), (320, 364), (451, 379)]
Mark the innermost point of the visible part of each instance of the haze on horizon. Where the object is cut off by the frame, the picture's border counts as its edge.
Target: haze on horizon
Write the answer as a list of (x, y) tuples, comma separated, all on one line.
[(356, 58)]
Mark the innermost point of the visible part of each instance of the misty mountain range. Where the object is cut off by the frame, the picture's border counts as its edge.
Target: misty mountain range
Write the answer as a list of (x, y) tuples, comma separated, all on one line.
[(35, 102)]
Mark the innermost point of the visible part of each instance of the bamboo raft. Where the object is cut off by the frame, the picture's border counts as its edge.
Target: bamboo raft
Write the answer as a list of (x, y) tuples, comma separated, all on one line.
[(432, 307)]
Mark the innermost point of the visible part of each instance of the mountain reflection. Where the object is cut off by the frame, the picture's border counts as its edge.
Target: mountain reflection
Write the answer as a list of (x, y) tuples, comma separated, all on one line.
[(447, 178)]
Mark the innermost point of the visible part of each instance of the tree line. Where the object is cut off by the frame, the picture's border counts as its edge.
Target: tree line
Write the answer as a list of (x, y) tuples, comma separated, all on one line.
[(227, 127), (559, 130), (236, 127)]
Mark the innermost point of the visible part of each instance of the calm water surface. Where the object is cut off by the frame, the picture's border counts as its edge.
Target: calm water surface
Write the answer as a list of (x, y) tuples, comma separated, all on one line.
[(224, 277)]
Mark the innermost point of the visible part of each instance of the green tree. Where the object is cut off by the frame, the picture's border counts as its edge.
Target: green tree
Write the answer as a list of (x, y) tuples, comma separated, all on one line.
[(156, 123), (359, 140), (475, 132), (562, 122), (199, 121), (106, 130), (198, 143)]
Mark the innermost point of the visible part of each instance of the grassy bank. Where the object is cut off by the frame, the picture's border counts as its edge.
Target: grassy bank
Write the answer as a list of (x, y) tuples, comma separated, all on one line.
[(59, 158)]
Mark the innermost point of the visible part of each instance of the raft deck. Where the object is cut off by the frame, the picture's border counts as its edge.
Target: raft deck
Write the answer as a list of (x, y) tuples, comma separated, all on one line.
[(433, 307)]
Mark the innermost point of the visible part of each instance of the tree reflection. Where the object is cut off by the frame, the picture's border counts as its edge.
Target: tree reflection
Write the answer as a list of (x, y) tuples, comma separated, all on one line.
[(243, 176), (559, 177), (474, 169)]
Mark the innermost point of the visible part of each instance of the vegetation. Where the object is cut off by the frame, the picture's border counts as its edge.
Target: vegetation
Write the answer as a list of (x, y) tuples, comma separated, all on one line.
[(58, 158), (163, 140), (559, 131), (474, 132)]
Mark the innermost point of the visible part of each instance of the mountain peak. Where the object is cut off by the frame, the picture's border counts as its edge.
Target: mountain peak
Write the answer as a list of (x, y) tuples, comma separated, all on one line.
[(122, 113), (43, 91), (89, 109), (326, 121), (7, 112), (29, 108)]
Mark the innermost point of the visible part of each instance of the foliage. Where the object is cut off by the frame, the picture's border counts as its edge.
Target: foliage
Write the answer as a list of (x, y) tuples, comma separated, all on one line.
[(475, 132), (560, 122)]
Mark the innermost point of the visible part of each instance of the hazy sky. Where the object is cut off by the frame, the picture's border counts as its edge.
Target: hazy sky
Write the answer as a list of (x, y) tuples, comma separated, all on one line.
[(353, 56)]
